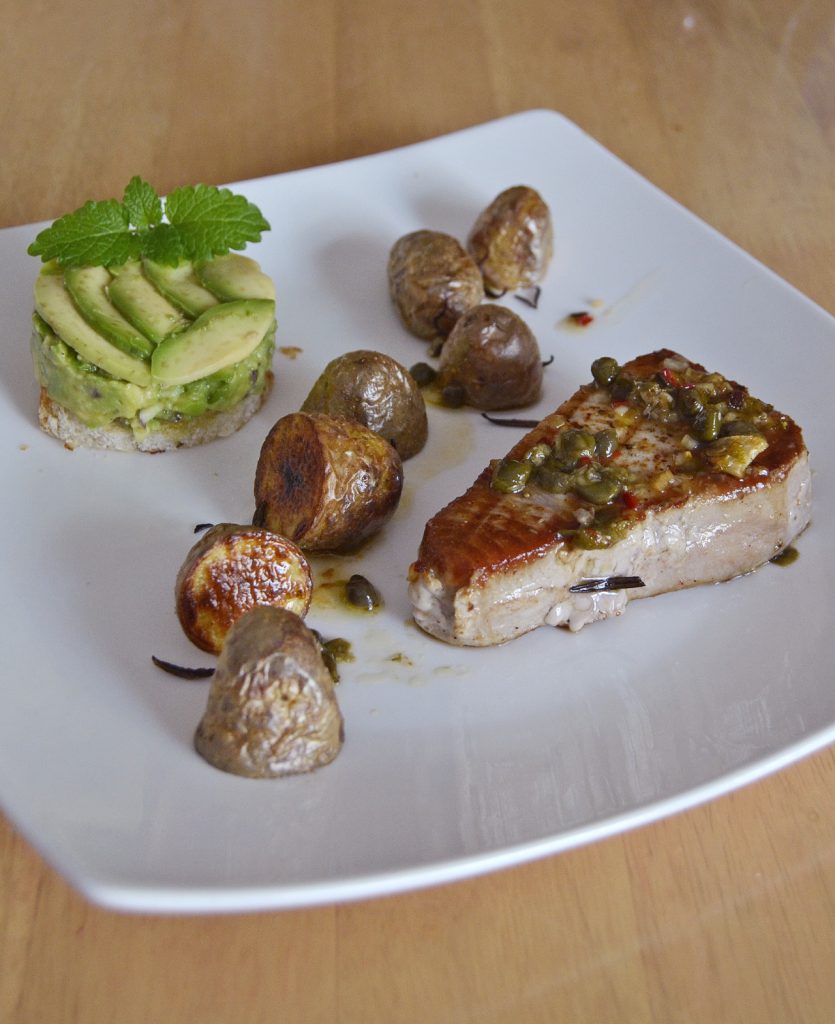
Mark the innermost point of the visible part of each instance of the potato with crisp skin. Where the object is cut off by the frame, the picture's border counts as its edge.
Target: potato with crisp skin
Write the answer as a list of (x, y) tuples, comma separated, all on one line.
[(232, 569), (512, 240), (432, 281), (272, 710), (493, 357), (376, 391), (325, 482)]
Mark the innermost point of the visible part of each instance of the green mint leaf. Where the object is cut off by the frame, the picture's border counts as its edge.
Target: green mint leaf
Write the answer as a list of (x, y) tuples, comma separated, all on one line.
[(164, 245), (203, 221), (211, 220), (97, 234), (143, 205)]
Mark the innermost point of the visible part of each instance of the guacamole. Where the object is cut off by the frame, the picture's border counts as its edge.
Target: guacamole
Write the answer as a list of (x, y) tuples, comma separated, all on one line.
[(97, 398)]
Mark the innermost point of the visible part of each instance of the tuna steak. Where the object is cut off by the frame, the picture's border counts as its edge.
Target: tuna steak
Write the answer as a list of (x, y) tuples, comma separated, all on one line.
[(656, 476)]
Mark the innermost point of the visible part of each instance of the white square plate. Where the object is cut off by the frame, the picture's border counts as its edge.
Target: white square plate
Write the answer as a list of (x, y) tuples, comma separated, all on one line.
[(457, 761)]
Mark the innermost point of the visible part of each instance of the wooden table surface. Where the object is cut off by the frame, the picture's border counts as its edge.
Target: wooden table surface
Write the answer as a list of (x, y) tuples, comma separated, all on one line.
[(725, 913)]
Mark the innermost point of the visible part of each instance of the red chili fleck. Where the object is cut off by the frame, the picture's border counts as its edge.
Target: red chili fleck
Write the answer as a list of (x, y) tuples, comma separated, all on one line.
[(630, 500), (670, 378), (584, 460), (582, 318)]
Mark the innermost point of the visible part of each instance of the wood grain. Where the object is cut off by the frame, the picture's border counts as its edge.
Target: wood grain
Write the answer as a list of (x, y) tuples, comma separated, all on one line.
[(725, 913)]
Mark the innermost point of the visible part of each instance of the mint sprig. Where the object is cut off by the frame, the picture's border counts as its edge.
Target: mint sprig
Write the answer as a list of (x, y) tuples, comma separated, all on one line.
[(143, 205), (195, 222)]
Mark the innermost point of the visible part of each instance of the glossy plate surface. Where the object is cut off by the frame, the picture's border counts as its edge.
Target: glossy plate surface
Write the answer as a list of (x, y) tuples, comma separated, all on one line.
[(456, 761)]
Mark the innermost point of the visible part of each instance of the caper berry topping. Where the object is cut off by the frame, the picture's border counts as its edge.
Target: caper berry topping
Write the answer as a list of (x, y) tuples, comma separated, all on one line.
[(592, 537), (604, 370), (574, 445), (599, 486), (549, 477), (453, 395), (711, 423), (538, 454), (690, 402), (423, 374), (605, 443), (362, 594), (621, 387), (510, 476)]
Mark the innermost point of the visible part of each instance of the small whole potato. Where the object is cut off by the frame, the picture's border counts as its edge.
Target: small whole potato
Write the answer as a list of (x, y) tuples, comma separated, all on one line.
[(325, 482), (512, 240), (376, 391), (493, 357), (432, 281), (272, 710), (230, 570)]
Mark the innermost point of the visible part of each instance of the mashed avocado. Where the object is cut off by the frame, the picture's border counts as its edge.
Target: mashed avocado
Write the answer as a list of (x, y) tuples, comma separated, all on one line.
[(97, 398)]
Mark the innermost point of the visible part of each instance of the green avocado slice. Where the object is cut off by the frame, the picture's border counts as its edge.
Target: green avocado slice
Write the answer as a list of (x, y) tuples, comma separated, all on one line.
[(139, 302), (88, 288), (234, 277), (223, 335), (54, 304), (180, 285)]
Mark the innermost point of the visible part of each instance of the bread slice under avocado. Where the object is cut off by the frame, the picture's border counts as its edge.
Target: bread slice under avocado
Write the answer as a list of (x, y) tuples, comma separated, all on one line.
[(189, 432)]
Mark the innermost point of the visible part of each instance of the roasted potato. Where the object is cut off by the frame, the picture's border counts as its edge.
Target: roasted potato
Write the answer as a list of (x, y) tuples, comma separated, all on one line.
[(376, 391), (325, 482), (272, 709), (230, 570), (512, 240), (492, 357), (432, 281)]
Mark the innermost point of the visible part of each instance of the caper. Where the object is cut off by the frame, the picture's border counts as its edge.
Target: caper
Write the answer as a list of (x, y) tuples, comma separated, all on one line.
[(453, 395), (598, 486), (592, 537), (552, 479), (605, 443), (538, 454), (362, 594), (423, 374), (511, 475), (689, 402), (711, 423), (604, 370), (574, 445), (621, 387)]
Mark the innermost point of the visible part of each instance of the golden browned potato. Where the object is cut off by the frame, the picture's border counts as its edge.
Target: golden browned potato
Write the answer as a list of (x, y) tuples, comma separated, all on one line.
[(493, 359), (432, 281), (377, 392), (512, 240), (325, 482), (272, 708), (232, 569)]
